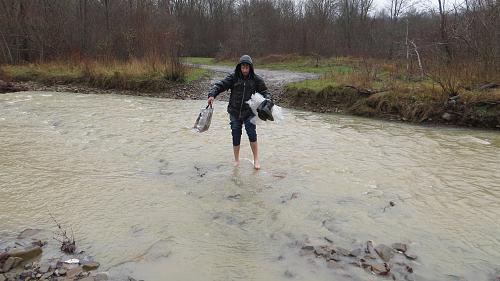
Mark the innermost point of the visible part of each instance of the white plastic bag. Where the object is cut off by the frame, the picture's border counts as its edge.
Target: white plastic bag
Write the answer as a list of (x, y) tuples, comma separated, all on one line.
[(204, 118), (254, 103)]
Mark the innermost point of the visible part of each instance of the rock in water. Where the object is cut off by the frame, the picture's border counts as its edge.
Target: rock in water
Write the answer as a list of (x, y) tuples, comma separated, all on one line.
[(101, 276), (385, 252), (74, 272), (90, 265), (27, 253), (400, 247), (381, 269), (28, 232)]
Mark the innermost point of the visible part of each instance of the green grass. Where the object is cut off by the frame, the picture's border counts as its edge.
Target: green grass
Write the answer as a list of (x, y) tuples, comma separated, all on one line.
[(314, 85), (305, 64), (198, 60), (291, 63), (194, 74)]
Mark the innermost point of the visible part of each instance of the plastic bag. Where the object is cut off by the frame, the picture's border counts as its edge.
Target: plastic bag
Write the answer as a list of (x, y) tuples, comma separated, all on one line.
[(254, 104), (204, 118), (265, 110)]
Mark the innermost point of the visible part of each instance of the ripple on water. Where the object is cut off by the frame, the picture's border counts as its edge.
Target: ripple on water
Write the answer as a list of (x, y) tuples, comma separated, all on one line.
[(129, 172)]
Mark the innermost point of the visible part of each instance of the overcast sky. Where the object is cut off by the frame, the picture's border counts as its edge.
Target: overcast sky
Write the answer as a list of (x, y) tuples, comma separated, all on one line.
[(419, 4)]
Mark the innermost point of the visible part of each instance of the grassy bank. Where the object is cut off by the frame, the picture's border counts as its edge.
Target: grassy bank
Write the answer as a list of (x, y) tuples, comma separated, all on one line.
[(380, 89), (137, 75), (287, 62)]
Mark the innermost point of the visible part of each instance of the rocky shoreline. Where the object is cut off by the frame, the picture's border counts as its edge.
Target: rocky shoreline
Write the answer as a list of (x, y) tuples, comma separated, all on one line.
[(196, 90), (456, 111), (29, 258)]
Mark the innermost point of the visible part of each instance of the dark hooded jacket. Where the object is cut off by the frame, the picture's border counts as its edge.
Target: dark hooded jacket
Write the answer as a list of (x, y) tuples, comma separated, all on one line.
[(241, 88)]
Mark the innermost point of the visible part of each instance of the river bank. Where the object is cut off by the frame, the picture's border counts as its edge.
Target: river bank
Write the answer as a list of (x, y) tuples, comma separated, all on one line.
[(33, 255), (467, 110), (478, 109), (470, 109)]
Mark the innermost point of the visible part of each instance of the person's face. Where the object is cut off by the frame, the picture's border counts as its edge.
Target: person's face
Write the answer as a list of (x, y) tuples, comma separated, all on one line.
[(245, 69)]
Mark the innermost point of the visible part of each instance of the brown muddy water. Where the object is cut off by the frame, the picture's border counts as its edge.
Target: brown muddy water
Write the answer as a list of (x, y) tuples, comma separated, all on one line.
[(152, 199)]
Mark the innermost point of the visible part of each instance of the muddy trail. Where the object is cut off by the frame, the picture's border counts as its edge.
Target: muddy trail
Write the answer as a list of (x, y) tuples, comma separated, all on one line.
[(275, 79)]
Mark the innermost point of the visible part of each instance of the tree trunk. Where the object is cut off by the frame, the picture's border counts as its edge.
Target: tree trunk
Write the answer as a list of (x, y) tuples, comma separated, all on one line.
[(444, 33)]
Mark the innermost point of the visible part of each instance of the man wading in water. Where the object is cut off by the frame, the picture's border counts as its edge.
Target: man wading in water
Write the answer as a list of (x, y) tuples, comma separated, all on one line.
[(243, 83)]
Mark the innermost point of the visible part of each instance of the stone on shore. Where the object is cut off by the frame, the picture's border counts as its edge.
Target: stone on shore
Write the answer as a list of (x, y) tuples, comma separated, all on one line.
[(90, 265), (27, 253), (8, 264), (3, 256), (74, 272), (60, 271), (44, 268), (47, 275)]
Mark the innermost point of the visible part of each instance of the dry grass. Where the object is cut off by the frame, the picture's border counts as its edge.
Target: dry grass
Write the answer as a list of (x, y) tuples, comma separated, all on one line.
[(402, 96), (150, 74)]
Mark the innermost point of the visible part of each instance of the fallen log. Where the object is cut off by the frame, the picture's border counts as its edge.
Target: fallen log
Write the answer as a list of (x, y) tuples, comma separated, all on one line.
[(492, 85)]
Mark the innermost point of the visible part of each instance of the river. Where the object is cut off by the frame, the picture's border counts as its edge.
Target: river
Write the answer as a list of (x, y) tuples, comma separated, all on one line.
[(151, 198)]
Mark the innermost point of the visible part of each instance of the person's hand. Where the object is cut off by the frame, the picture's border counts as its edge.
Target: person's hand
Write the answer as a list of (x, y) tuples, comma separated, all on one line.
[(211, 100)]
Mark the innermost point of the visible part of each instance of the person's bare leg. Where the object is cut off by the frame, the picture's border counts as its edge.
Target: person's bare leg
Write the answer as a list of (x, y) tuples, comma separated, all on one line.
[(236, 151), (255, 151)]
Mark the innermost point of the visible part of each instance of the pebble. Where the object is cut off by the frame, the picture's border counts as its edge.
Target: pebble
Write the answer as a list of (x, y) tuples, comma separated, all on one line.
[(60, 272)]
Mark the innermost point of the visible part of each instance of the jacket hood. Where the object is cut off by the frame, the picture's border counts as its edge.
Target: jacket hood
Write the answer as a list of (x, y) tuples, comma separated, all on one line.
[(244, 59)]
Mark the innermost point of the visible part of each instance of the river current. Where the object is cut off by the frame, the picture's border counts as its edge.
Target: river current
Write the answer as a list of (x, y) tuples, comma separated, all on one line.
[(152, 199)]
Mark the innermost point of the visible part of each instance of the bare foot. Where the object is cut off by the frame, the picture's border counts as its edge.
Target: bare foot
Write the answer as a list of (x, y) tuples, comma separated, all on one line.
[(236, 163), (256, 164)]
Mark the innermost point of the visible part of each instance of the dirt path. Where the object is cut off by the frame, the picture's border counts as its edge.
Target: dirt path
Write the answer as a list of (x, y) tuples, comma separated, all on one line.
[(275, 79)]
